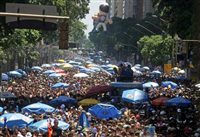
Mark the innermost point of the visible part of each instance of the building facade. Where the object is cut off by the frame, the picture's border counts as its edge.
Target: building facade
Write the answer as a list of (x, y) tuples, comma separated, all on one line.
[(130, 8)]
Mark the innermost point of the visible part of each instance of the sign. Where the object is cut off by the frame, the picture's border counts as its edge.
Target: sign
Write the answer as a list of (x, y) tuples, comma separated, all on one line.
[(167, 68), (28, 22)]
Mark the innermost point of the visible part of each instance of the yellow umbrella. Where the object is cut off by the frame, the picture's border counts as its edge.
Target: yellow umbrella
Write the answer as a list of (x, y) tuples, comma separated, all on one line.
[(66, 66), (91, 65), (88, 101), (61, 61)]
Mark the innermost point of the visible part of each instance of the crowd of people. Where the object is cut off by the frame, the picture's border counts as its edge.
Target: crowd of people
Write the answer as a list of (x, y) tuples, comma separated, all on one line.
[(168, 121)]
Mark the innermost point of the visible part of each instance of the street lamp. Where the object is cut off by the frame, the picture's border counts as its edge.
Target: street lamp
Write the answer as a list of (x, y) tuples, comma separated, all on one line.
[(146, 29)]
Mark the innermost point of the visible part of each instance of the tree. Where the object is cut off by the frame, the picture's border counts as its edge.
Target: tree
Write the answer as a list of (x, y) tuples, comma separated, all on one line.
[(156, 48)]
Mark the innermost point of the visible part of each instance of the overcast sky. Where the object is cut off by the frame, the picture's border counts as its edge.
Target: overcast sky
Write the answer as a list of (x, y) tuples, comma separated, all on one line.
[(94, 8)]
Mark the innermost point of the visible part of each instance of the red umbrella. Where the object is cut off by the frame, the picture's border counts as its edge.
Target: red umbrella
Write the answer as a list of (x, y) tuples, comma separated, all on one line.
[(160, 101), (59, 70), (99, 89)]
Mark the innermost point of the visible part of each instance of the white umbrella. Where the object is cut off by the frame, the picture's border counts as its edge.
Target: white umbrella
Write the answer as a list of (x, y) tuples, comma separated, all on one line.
[(81, 75), (146, 68), (181, 72)]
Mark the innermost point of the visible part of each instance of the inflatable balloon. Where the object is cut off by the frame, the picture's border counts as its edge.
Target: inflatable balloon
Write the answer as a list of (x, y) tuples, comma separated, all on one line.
[(101, 18)]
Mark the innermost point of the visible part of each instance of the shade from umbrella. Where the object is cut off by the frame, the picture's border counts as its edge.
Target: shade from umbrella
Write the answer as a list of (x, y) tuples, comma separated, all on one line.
[(36, 68), (62, 100), (38, 108), (46, 65), (15, 74), (14, 120), (178, 101), (54, 75), (81, 75), (7, 95), (83, 121), (60, 85), (42, 126), (150, 84), (160, 101), (88, 101), (134, 96), (99, 89), (169, 83), (105, 111), (49, 72), (4, 77)]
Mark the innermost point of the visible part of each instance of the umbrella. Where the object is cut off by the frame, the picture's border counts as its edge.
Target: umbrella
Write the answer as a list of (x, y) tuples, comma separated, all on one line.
[(181, 72), (169, 83), (21, 72), (112, 66), (49, 72), (137, 73), (105, 111), (146, 68), (85, 70), (88, 101), (42, 126), (14, 74), (60, 85), (59, 70), (1, 109), (156, 72), (99, 89), (67, 66), (38, 108), (12, 120), (4, 77), (46, 65), (150, 84), (83, 121), (62, 100), (54, 75), (160, 101), (178, 101), (7, 95), (61, 61), (81, 75), (197, 85), (95, 69), (37, 68), (134, 96)]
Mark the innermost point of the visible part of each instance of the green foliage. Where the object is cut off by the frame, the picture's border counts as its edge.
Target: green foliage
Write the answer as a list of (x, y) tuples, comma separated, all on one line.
[(157, 48), (177, 15)]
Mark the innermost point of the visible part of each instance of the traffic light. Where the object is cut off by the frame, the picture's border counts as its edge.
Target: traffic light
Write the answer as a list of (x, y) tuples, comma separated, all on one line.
[(63, 35)]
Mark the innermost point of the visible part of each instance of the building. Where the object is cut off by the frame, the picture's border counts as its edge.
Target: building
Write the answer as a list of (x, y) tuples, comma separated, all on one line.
[(130, 8)]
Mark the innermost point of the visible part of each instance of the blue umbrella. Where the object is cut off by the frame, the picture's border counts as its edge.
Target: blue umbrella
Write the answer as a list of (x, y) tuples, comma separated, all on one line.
[(60, 85), (38, 108), (37, 68), (105, 111), (15, 74), (169, 83), (49, 72), (83, 121), (21, 72), (134, 96), (54, 75), (14, 120), (150, 84), (4, 77), (62, 100), (178, 101), (42, 126)]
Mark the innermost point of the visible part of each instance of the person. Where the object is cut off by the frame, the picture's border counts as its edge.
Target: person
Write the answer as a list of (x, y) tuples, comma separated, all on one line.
[(54, 131)]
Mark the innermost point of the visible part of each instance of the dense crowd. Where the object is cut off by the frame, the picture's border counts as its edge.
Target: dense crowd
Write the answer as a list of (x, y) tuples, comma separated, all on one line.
[(168, 121)]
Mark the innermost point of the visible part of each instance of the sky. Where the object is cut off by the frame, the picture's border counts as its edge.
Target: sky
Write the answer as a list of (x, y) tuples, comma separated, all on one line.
[(94, 8)]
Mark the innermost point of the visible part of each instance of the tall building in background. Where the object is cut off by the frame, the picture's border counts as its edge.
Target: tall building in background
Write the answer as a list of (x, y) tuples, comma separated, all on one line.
[(130, 8)]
